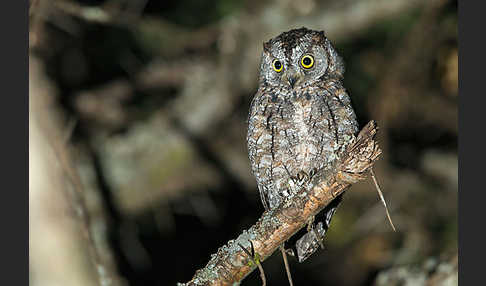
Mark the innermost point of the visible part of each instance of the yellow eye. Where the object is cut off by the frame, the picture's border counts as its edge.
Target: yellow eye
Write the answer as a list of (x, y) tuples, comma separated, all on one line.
[(277, 66), (307, 61)]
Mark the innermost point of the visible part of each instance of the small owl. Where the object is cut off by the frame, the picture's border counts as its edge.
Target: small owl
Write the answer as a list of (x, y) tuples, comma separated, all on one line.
[(300, 120)]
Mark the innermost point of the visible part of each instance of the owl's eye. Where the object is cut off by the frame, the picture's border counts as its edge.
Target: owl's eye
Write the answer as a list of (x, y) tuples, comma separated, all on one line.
[(277, 65), (307, 61)]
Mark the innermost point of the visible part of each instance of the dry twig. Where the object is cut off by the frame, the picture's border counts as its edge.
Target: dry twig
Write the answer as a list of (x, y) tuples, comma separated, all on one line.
[(382, 198), (255, 259), (286, 262)]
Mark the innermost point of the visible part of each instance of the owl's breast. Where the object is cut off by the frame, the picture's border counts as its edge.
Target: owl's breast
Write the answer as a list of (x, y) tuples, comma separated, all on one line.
[(306, 147), (291, 133)]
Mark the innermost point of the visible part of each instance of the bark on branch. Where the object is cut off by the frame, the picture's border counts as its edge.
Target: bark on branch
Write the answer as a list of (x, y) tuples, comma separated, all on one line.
[(231, 264)]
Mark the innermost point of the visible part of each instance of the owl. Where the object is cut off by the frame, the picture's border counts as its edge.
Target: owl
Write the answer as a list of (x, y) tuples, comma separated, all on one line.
[(299, 122)]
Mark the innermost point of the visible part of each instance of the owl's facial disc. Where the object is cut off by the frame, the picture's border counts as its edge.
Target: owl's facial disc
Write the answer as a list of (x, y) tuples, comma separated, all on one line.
[(298, 58)]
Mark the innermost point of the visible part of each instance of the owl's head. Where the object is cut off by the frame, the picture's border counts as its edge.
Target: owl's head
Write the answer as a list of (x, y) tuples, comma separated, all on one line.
[(299, 57)]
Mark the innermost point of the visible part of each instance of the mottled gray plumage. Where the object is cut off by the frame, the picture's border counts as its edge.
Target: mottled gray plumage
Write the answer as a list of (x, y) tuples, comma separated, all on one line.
[(300, 118)]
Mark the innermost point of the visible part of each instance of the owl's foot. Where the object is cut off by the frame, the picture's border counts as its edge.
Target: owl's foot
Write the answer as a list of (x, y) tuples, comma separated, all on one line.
[(296, 183), (302, 177), (312, 173)]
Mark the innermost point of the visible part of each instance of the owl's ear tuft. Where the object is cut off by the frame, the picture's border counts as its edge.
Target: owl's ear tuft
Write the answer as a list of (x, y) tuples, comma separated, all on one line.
[(319, 38), (336, 64), (267, 47)]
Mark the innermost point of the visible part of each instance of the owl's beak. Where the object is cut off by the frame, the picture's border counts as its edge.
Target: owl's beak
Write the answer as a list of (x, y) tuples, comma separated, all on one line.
[(292, 81), (293, 78)]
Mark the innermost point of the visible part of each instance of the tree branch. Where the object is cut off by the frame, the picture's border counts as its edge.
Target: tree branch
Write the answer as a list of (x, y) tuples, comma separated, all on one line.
[(231, 264)]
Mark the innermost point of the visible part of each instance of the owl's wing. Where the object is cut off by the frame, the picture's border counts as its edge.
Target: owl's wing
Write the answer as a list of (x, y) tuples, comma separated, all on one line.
[(255, 131)]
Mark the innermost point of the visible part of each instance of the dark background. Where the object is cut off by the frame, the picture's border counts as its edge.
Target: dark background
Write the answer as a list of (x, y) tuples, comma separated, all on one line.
[(138, 164)]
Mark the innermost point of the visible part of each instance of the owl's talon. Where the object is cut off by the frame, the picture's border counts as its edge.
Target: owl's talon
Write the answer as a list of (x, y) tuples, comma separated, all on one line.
[(302, 176), (312, 173)]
